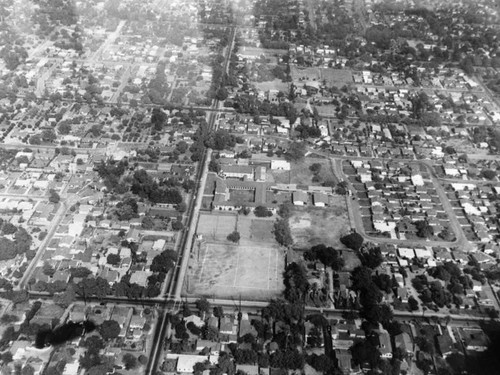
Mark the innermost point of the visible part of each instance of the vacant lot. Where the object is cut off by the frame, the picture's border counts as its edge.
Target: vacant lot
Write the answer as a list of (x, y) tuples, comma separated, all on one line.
[(231, 271), (305, 74), (275, 84), (302, 175), (312, 226), (336, 77), (326, 110)]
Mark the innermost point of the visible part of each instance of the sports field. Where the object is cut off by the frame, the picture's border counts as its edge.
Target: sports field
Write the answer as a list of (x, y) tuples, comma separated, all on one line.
[(225, 271), (216, 227)]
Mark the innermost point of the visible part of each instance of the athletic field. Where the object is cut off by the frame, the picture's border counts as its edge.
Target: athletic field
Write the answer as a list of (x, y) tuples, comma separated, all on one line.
[(231, 271)]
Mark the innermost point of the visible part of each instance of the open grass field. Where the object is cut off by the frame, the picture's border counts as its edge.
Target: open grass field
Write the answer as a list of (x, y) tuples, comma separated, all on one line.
[(216, 227), (275, 84), (326, 110), (231, 271), (333, 77), (313, 226), (300, 173), (336, 77), (306, 74)]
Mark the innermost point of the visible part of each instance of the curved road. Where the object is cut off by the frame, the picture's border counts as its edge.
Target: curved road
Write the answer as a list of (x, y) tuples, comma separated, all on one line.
[(354, 209)]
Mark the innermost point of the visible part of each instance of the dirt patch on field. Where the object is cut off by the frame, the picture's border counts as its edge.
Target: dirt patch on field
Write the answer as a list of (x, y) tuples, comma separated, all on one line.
[(231, 271), (314, 225), (302, 175)]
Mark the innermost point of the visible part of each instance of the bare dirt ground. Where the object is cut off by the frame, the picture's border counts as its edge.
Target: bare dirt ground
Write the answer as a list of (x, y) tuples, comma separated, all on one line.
[(312, 226)]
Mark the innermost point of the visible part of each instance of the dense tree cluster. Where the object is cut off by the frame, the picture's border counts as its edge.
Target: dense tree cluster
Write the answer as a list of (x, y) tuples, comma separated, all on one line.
[(353, 241), (111, 172), (126, 209), (20, 244), (164, 262), (145, 186), (296, 284), (262, 211), (370, 256), (282, 232), (431, 292), (424, 230), (326, 255)]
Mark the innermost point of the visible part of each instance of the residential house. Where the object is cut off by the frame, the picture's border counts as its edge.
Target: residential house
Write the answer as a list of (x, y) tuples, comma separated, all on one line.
[(320, 199), (385, 346), (299, 198), (404, 342)]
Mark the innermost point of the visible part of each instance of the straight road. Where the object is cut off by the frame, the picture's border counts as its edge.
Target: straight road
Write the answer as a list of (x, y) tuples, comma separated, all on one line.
[(109, 41), (180, 269), (255, 307), (354, 209), (61, 212)]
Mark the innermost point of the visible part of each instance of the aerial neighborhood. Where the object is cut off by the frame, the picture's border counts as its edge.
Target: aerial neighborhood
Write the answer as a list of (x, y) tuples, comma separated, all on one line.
[(249, 187)]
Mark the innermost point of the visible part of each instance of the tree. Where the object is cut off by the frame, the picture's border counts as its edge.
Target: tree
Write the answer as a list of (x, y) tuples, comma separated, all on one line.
[(234, 237), (199, 367), (109, 329), (326, 255), (7, 319), (6, 357), (321, 363), (296, 283), (67, 297), (315, 337), (129, 361), (412, 303), (80, 272), (424, 344), (203, 305), (27, 370), (424, 230), (365, 351), (353, 241), (285, 210), (164, 261), (221, 94), (210, 333), (295, 151), (177, 225), (420, 103), (282, 232), (262, 211), (94, 343), (218, 311), (98, 370), (64, 128), (90, 359), (53, 196), (372, 257), (181, 207), (113, 259), (182, 147), (315, 168), (48, 135), (457, 362), (489, 174), (35, 140), (214, 166)]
